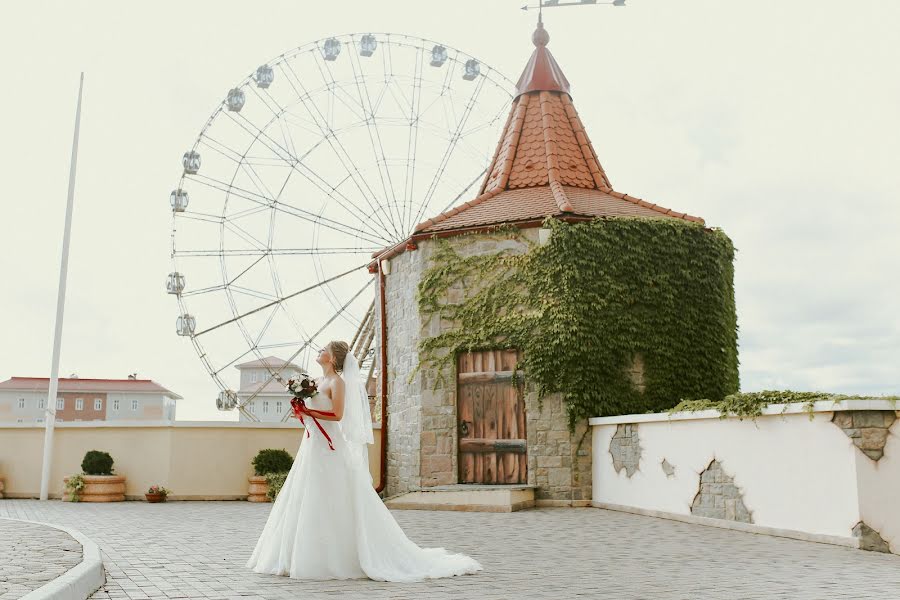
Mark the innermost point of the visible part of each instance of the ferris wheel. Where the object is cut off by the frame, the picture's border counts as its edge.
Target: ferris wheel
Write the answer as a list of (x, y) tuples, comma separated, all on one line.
[(321, 157)]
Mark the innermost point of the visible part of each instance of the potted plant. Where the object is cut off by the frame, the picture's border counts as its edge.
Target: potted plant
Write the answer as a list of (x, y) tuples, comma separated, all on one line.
[(265, 462), (157, 493), (100, 484)]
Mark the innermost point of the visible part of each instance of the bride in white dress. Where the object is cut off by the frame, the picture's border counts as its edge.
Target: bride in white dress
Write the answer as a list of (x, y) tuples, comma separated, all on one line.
[(328, 522)]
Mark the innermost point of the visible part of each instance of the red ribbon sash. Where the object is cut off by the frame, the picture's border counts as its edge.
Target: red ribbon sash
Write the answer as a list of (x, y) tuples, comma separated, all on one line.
[(299, 412)]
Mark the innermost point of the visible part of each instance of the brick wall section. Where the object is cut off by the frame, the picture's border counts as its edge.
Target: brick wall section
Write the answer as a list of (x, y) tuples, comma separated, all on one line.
[(422, 432)]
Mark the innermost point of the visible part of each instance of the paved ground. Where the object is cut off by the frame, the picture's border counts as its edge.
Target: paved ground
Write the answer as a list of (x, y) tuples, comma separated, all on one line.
[(198, 550), (31, 555)]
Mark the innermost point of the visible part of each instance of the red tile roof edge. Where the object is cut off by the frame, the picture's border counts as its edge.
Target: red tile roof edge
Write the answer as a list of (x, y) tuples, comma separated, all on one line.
[(35, 381)]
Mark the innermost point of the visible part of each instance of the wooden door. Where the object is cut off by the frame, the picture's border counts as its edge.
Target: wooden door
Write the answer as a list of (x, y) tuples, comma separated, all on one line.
[(490, 419)]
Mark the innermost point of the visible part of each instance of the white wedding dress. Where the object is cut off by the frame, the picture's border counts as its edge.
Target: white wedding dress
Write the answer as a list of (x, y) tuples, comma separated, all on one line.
[(329, 523)]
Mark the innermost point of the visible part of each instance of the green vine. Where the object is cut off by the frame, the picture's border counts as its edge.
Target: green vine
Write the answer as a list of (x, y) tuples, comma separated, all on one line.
[(74, 485), (275, 482), (583, 306), (749, 405)]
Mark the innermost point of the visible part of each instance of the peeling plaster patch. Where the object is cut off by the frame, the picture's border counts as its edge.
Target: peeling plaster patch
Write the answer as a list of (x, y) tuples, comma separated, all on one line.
[(625, 449), (667, 468), (869, 539), (718, 496), (868, 429)]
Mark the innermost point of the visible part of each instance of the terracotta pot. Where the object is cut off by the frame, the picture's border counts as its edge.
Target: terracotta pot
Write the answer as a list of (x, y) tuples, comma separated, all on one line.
[(155, 497), (258, 489), (103, 488)]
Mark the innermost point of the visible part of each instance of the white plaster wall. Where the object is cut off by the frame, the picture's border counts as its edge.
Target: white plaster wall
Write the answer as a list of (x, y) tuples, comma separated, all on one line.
[(795, 473), (879, 489)]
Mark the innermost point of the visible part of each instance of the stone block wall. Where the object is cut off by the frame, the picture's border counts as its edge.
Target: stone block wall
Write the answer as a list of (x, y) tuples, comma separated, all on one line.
[(718, 496), (422, 431), (404, 396), (625, 448), (556, 464)]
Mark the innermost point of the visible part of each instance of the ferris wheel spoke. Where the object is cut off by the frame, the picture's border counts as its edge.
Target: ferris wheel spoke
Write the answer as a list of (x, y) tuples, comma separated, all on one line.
[(287, 208), (206, 290), (277, 375), (220, 148), (275, 345), (311, 176), (266, 326), (337, 147), (246, 236), (195, 216), (384, 173), (245, 270), (254, 293), (233, 361), (449, 150), (249, 212), (264, 252), (257, 181), (288, 297), (409, 179)]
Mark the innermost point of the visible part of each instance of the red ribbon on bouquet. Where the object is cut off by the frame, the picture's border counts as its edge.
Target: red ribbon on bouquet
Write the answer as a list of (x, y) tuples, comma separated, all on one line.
[(299, 407)]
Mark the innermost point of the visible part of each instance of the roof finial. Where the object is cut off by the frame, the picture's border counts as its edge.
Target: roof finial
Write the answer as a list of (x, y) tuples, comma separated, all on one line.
[(540, 37)]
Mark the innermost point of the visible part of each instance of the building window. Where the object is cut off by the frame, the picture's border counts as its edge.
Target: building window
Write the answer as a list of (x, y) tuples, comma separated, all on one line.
[(39, 420), (98, 404), (116, 405), (134, 405), (79, 403), (60, 404), (278, 406), (20, 420), (42, 402), (265, 407), (253, 376), (21, 402), (253, 408)]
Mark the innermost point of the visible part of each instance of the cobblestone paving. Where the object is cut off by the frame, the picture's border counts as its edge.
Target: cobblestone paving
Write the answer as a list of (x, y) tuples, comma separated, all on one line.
[(198, 550), (31, 555)]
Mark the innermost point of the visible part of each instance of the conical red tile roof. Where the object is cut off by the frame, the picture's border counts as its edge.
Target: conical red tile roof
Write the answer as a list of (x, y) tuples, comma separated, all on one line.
[(544, 164)]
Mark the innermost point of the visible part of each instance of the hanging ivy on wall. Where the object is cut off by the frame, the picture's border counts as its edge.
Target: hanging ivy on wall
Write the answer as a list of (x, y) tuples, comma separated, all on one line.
[(583, 306)]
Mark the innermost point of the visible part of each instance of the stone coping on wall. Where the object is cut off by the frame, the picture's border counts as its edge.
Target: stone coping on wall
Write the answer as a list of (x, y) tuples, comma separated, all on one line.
[(773, 410), (159, 424)]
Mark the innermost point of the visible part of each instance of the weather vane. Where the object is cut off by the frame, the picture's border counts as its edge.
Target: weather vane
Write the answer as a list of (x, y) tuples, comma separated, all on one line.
[(557, 3)]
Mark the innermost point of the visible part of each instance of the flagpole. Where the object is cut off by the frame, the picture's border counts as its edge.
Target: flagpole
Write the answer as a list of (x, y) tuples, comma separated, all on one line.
[(50, 421)]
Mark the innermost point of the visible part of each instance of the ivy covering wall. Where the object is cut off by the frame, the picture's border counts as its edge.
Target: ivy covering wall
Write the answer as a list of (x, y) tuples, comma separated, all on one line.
[(581, 307)]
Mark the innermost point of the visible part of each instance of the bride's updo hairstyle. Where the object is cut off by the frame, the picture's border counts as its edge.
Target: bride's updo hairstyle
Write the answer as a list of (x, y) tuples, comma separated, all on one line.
[(338, 351)]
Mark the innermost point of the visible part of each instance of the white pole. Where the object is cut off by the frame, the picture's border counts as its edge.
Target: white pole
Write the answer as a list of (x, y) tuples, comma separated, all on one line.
[(60, 307)]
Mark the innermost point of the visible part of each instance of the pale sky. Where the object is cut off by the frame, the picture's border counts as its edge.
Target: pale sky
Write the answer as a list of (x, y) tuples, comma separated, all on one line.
[(775, 120)]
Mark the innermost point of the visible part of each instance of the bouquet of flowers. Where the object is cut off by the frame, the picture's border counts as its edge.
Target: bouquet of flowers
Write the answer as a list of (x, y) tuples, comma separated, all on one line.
[(302, 389)]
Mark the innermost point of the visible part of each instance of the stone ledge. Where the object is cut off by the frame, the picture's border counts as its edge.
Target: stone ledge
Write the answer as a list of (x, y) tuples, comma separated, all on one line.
[(819, 538), (546, 503), (79, 582), (497, 508), (500, 498), (773, 410)]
